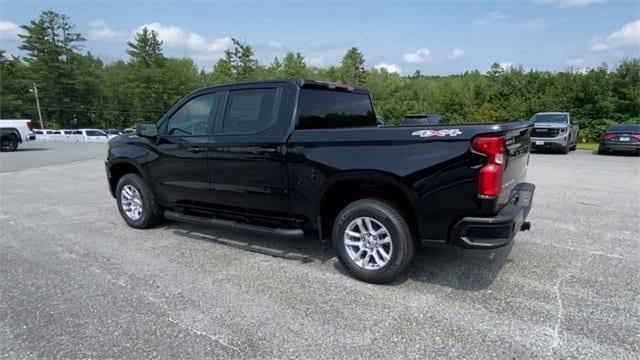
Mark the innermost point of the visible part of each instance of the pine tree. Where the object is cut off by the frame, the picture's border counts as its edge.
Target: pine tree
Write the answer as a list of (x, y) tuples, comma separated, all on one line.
[(52, 49), (146, 49), (293, 66), (352, 69)]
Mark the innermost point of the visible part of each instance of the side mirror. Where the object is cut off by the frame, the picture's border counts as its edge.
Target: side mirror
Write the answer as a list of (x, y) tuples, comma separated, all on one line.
[(148, 130)]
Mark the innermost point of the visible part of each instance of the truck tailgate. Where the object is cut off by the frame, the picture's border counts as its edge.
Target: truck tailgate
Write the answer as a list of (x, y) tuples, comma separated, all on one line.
[(518, 144)]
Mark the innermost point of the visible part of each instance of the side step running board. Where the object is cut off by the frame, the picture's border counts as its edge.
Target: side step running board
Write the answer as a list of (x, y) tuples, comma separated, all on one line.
[(233, 225)]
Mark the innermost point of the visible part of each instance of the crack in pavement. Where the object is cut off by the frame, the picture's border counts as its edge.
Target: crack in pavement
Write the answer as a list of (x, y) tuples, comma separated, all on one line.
[(556, 333)]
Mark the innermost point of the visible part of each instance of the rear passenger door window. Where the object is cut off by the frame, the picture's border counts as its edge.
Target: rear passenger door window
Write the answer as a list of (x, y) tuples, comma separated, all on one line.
[(249, 111), (194, 117)]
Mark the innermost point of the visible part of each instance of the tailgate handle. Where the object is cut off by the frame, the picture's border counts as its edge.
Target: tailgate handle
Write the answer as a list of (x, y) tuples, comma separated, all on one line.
[(262, 150), (197, 149)]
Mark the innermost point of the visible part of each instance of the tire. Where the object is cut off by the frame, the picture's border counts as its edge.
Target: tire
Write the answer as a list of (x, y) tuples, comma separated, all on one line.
[(130, 184), (601, 150), (565, 150), (9, 142), (397, 244)]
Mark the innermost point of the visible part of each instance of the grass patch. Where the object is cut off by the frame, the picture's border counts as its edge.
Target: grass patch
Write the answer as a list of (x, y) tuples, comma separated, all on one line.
[(587, 146)]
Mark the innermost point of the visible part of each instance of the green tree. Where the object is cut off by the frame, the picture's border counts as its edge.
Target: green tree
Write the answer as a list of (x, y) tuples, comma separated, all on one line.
[(52, 54), (146, 49), (352, 67), (293, 66), (222, 72), (626, 90), (147, 83), (15, 99)]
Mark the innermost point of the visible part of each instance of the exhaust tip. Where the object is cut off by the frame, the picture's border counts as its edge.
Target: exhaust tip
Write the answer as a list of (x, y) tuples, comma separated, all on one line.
[(525, 226)]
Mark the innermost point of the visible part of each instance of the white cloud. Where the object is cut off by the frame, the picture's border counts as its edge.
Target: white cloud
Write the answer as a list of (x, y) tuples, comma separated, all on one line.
[(9, 31), (570, 3), (101, 31), (315, 61), (173, 37), (490, 17), (180, 38), (276, 45), (536, 24), (324, 54), (575, 62), (420, 56), (390, 68), (456, 54), (506, 65), (627, 36)]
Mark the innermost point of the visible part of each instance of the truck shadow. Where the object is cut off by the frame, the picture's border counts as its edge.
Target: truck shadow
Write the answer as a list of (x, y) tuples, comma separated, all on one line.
[(31, 149), (460, 269), (305, 250)]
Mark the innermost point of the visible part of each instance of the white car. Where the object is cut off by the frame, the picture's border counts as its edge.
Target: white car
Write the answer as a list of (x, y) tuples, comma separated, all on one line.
[(13, 132), (94, 135)]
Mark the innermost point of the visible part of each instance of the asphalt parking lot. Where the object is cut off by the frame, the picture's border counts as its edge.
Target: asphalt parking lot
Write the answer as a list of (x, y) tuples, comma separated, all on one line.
[(41, 153), (75, 281)]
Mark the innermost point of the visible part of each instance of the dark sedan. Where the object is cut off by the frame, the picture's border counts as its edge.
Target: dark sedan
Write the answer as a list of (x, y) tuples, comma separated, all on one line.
[(621, 138)]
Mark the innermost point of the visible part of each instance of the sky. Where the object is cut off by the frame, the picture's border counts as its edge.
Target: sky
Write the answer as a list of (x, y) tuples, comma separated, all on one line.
[(436, 37)]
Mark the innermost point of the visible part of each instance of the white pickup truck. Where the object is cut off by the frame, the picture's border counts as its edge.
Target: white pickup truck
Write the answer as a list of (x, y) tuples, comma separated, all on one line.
[(13, 132)]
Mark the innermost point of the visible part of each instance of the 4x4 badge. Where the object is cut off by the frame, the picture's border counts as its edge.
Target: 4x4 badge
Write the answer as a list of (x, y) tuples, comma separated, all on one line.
[(440, 133)]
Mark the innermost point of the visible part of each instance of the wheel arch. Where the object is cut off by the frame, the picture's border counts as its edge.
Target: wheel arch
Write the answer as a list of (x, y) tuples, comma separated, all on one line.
[(120, 168), (9, 130), (345, 188)]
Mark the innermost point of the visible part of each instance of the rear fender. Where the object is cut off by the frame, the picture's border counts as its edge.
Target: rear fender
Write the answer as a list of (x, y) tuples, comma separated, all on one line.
[(14, 131)]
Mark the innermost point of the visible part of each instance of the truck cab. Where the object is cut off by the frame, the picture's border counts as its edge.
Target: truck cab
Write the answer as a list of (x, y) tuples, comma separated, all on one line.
[(554, 131)]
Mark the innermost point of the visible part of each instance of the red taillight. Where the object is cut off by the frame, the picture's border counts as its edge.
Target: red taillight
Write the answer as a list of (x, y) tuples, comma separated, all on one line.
[(609, 136), (30, 125), (490, 175), (637, 136)]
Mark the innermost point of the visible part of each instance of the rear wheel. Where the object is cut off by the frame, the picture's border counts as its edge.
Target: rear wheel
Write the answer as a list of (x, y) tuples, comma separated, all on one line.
[(9, 142), (134, 202), (373, 240)]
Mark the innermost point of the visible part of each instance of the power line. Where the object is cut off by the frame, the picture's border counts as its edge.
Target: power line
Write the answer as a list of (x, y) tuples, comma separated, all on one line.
[(85, 110)]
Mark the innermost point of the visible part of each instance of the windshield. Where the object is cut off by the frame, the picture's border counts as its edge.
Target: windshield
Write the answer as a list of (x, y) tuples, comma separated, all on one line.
[(550, 118), (625, 127)]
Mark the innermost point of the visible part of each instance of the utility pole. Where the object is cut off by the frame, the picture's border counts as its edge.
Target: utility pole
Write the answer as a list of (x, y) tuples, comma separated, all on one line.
[(35, 92)]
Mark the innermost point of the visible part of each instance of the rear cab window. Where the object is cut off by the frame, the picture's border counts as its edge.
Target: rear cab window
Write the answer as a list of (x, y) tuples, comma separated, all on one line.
[(324, 109), (551, 118)]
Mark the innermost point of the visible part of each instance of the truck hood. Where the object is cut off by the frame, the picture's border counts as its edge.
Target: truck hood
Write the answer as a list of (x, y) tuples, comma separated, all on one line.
[(550, 126)]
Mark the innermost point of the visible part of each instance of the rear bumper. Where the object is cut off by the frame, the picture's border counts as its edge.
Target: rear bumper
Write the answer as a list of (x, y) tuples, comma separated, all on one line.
[(619, 146), (499, 230)]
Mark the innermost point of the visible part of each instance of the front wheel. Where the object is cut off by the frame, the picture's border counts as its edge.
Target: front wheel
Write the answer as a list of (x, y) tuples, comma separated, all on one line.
[(9, 142), (134, 202), (373, 240)]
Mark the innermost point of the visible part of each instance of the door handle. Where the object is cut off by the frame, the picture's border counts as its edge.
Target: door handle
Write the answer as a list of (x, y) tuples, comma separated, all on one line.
[(197, 149)]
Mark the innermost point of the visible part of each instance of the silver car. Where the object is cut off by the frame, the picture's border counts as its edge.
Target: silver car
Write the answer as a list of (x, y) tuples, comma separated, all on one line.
[(554, 131)]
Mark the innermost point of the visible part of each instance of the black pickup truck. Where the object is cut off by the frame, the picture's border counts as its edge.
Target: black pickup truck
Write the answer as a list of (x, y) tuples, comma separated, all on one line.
[(280, 157)]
